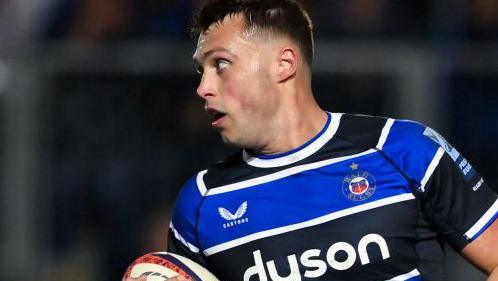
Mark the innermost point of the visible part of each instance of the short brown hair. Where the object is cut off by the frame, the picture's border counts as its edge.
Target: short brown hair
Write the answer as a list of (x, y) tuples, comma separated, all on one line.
[(286, 17)]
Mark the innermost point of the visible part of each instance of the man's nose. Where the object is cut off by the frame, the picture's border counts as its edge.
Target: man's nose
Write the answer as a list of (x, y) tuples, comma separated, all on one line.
[(206, 87)]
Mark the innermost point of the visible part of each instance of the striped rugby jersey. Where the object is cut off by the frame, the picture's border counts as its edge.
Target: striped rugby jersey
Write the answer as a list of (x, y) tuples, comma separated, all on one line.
[(368, 198)]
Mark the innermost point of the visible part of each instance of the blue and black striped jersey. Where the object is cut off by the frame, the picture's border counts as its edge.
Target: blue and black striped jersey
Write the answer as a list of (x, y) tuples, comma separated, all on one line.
[(368, 198)]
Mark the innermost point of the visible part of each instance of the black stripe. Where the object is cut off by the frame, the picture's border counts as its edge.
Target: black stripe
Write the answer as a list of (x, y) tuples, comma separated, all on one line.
[(356, 134)]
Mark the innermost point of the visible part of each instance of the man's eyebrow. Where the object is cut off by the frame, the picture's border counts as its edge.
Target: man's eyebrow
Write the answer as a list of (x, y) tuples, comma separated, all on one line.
[(199, 60)]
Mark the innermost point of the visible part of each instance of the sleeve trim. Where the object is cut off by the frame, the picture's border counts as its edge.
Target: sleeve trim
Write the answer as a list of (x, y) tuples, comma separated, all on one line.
[(483, 222), (181, 239), (431, 168)]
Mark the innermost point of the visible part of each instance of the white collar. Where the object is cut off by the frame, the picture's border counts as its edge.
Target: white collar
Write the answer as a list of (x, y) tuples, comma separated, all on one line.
[(299, 153)]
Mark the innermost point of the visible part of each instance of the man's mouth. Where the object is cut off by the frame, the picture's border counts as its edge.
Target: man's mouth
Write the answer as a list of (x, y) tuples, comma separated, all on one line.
[(216, 116)]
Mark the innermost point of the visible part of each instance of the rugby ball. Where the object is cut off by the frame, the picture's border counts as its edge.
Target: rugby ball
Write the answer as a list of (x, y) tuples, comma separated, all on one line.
[(160, 266)]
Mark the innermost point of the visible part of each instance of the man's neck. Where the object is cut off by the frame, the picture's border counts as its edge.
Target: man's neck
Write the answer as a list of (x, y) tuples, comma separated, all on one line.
[(293, 128)]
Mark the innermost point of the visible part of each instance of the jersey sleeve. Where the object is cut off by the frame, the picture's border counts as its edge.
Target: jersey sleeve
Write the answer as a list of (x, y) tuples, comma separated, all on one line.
[(454, 197), (182, 235)]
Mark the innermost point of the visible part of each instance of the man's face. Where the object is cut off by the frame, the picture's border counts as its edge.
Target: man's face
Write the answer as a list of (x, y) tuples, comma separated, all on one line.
[(236, 83)]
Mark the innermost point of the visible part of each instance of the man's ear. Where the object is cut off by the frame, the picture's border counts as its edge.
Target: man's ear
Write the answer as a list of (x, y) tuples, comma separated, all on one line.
[(287, 64)]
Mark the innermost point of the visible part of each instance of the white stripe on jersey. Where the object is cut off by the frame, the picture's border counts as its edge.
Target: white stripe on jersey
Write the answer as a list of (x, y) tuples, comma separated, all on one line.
[(406, 276), (477, 227), (300, 154), (283, 173), (200, 182), (181, 239), (431, 168), (320, 220), (385, 133)]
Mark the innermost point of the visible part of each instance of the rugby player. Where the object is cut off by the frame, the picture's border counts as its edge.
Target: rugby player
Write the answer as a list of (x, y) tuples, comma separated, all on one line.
[(315, 195)]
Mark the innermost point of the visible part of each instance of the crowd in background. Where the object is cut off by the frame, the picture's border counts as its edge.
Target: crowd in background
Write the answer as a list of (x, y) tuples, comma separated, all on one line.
[(119, 147), (102, 21), (340, 19)]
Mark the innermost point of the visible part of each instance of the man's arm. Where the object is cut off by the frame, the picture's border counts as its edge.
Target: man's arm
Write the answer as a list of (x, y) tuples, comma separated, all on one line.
[(483, 252)]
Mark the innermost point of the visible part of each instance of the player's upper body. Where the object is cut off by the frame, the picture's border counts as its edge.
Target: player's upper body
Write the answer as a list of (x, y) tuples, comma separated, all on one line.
[(366, 199), (314, 195)]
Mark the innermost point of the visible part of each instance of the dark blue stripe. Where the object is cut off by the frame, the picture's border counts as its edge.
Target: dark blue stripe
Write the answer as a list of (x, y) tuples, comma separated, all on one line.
[(322, 187)]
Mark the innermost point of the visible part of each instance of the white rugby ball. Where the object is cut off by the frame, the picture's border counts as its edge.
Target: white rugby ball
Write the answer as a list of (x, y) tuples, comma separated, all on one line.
[(160, 266)]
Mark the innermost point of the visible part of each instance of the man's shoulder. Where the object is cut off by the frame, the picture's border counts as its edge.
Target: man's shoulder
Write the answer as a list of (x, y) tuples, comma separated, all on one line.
[(354, 133), (372, 122), (218, 174), (361, 131), (203, 180), (368, 129), (231, 169), (363, 119)]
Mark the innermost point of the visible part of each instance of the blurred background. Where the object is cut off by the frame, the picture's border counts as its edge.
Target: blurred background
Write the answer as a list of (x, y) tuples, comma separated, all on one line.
[(100, 125)]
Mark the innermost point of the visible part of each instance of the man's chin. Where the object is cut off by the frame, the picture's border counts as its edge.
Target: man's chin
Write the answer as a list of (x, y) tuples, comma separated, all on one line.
[(227, 140), (230, 140)]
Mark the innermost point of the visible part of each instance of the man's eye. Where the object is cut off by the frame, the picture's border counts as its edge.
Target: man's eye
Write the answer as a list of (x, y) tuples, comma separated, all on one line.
[(221, 64)]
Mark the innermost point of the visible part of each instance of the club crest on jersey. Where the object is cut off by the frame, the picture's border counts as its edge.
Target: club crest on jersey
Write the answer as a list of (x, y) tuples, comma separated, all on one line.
[(358, 186), (234, 219)]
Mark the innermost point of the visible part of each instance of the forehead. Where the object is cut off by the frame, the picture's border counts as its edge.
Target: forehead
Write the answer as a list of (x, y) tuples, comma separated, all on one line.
[(230, 34)]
